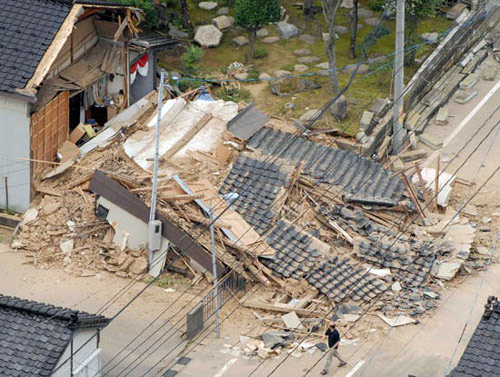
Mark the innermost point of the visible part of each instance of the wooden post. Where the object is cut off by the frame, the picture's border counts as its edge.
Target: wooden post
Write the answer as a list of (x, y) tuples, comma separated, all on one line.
[(413, 196), (436, 183), (6, 194), (422, 184)]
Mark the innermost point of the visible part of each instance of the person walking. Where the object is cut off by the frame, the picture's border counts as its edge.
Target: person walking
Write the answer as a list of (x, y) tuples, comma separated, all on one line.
[(333, 343)]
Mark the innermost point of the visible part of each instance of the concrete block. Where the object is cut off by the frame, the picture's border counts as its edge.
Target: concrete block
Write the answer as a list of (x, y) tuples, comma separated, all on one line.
[(442, 116), (489, 73), (413, 141), (348, 145), (366, 120), (464, 96), (469, 81), (430, 141), (194, 321), (412, 121), (413, 155), (378, 105)]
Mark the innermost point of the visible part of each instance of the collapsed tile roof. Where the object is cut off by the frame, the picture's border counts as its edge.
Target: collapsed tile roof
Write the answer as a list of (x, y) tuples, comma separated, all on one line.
[(362, 180), (28, 28), (34, 335), (481, 357), (295, 255), (263, 180), (339, 279)]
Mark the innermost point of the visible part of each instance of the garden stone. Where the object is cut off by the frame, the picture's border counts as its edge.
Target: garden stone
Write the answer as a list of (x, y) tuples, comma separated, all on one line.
[(322, 73), (223, 11), (302, 51), (241, 41), (177, 34), (308, 59), (300, 68), (469, 81), (223, 22), (281, 73), (372, 21), (208, 36), (287, 30), (364, 13), (270, 40), (464, 96), (309, 114), (340, 29), (292, 85), (348, 4), (207, 5), (430, 37), (323, 65), (306, 38), (363, 69), (339, 108), (326, 36), (241, 76), (261, 33), (378, 105), (264, 76)]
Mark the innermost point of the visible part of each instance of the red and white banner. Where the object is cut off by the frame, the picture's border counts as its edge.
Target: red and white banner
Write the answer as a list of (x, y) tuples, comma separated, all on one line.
[(141, 66)]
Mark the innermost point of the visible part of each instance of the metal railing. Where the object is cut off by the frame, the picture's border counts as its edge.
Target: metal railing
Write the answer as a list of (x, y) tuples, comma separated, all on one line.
[(227, 287)]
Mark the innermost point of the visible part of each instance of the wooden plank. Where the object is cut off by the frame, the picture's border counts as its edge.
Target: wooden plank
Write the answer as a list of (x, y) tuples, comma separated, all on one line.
[(53, 51), (188, 136), (280, 309)]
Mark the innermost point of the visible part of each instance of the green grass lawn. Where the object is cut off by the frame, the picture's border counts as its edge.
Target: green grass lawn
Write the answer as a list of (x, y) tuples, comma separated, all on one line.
[(363, 90)]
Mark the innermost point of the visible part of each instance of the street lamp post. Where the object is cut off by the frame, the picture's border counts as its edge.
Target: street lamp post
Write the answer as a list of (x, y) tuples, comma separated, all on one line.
[(227, 197)]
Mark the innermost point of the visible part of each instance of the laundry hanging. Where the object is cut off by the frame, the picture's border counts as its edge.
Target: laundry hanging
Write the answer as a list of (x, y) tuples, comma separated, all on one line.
[(141, 66)]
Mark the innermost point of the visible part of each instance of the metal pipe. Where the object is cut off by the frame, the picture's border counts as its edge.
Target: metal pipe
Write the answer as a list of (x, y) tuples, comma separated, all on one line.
[(397, 127), (214, 270)]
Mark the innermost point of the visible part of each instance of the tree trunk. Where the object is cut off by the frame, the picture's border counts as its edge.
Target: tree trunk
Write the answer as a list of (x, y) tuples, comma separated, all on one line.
[(330, 8), (411, 38), (308, 7), (354, 29), (253, 36), (185, 18)]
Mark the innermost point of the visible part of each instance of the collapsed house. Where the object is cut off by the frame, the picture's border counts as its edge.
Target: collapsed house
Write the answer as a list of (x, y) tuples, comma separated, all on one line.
[(318, 227), (68, 67)]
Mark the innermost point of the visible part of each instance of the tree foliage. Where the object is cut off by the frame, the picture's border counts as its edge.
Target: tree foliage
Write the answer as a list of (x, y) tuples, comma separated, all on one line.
[(148, 8), (255, 14)]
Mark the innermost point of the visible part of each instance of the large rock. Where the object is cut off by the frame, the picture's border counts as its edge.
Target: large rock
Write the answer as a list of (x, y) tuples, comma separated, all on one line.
[(177, 34), (241, 41), (308, 59), (262, 33), (378, 105), (306, 38), (281, 73), (309, 114), (223, 11), (339, 29), (270, 40), (372, 21), (208, 36), (339, 108), (207, 5), (223, 22), (287, 30), (265, 76), (302, 52), (300, 68), (290, 86), (348, 4), (364, 13)]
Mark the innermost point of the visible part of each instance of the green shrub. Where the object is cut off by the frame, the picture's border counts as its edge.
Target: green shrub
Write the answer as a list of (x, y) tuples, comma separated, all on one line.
[(377, 5), (192, 57), (287, 67), (235, 95), (260, 52), (253, 74), (148, 8)]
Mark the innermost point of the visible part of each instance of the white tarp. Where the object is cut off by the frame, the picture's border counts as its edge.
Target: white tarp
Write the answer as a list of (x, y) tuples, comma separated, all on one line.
[(178, 117)]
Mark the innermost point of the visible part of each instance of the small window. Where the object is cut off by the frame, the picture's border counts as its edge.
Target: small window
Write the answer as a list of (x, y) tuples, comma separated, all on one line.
[(90, 367), (102, 212)]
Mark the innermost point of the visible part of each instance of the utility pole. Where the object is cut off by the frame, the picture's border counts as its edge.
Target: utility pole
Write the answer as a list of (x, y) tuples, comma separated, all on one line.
[(153, 227), (214, 270), (399, 75)]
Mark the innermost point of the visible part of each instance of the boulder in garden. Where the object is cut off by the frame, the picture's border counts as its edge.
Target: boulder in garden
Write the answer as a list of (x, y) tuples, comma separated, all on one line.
[(287, 30), (339, 108), (241, 41), (270, 40), (306, 38), (207, 5), (208, 36), (223, 22), (262, 33)]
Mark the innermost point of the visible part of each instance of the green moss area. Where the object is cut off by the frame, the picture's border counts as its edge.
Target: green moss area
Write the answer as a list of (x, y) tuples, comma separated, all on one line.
[(365, 88)]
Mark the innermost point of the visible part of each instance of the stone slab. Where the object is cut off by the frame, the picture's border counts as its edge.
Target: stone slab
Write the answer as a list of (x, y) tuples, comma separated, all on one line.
[(306, 38), (241, 41), (262, 33), (270, 40), (302, 52), (308, 59), (489, 72), (413, 155), (300, 68), (207, 5), (464, 96), (469, 81), (366, 120), (442, 116), (430, 141)]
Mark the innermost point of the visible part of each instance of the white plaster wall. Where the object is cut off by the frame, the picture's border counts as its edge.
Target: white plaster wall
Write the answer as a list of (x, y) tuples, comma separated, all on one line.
[(80, 337)]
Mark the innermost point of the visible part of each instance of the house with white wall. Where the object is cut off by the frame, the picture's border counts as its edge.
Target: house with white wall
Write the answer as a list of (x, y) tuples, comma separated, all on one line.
[(65, 63), (39, 340)]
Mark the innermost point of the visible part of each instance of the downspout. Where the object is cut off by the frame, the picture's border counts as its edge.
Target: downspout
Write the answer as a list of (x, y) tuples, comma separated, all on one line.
[(71, 360)]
